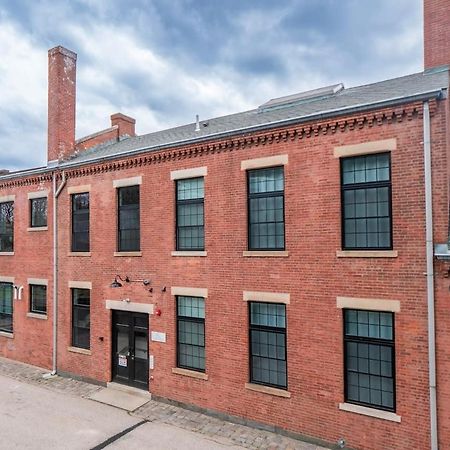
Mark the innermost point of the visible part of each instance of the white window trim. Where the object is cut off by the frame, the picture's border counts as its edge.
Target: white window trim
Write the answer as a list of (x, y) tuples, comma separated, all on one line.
[(372, 412), (126, 182), (127, 305), (7, 198), (268, 161), (370, 304), (6, 279), (37, 281), (80, 285), (189, 291), (363, 148), (79, 189), (269, 297), (38, 194), (188, 173)]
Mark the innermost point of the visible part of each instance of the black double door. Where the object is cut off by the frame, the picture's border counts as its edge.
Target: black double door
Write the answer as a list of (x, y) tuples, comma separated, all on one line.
[(130, 349)]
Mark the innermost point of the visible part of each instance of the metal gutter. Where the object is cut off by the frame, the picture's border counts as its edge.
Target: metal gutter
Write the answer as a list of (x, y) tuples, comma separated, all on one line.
[(423, 96), (430, 275)]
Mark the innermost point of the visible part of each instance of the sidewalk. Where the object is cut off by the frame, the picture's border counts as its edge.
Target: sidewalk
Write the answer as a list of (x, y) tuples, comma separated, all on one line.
[(161, 413)]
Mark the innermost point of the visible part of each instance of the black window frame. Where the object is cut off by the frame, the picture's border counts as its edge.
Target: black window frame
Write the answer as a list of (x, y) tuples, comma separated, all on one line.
[(44, 222), (9, 236), (31, 291), (79, 213), (178, 203), (269, 329), (137, 206), (251, 196), (75, 341), (191, 320), (375, 341), (11, 330), (366, 185)]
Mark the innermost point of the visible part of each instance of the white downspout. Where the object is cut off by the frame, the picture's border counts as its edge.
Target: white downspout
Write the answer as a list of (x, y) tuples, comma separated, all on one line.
[(56, 192), (430, 275)]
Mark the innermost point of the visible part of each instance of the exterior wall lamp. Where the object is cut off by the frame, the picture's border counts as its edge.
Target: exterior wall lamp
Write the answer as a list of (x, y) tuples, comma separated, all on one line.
[(118, 282)]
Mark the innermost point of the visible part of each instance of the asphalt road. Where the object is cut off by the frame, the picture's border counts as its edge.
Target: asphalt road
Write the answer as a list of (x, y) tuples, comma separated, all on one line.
[(32, 417)]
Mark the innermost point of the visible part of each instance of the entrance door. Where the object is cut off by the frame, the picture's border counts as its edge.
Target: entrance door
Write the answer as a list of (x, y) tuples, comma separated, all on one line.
[(130, 349)]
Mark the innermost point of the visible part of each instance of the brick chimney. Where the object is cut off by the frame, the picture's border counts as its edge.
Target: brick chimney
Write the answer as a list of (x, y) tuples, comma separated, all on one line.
[(61, 103), (125, 124), (437, 33)]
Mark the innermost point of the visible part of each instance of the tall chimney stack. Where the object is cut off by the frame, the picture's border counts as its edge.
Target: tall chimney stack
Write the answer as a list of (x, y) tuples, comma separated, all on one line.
[(62, 64), (437, 33)]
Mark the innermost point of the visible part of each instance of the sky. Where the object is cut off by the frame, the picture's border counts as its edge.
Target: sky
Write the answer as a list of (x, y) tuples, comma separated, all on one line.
[(164, 61)]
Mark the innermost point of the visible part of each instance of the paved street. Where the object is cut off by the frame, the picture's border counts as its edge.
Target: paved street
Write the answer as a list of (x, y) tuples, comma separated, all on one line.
[(56, 414)]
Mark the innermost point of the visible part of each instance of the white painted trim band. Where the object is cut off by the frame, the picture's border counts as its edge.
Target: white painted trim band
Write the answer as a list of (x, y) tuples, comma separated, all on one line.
[(188, 173), (363, 148), (189, 292), (270, 297), (125, 182), (371, 304), (269, 161)]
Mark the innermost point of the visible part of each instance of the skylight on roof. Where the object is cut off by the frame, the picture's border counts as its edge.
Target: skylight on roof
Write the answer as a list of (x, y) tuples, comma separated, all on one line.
[(301, 97)]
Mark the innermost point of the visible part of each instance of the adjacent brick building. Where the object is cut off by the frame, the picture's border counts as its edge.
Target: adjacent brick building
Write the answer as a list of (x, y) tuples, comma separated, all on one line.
[(269, 265)]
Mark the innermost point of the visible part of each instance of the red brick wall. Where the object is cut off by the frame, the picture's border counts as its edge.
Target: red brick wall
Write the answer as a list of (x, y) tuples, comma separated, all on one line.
[(32, 258), (437, 32), (312, 274)]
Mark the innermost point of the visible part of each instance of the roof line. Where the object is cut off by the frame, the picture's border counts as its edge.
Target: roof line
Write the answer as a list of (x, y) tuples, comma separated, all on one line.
[(421, 96)]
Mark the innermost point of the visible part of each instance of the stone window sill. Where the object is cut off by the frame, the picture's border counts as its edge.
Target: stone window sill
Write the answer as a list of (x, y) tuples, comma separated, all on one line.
[(127, 254), (37, 228), (367, 254), (6, 253), (371, 412), (266, 254), (268, 390), (37, 316), (7, 335), (190, 373), (82, 351), (79, 254), (189, 253)]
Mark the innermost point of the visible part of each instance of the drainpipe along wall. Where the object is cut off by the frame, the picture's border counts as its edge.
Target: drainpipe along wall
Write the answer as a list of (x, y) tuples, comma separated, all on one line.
[(430, 275), (56, 192)]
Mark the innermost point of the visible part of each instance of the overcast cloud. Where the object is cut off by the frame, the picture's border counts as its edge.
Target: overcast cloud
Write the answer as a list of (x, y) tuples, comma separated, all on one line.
[(163, 61)]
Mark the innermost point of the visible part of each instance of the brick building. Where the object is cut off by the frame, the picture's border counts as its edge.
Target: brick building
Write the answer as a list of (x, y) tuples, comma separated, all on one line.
[(286, 265)]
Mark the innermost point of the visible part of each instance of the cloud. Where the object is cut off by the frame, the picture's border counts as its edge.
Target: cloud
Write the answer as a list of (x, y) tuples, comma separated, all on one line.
[(163, 62)]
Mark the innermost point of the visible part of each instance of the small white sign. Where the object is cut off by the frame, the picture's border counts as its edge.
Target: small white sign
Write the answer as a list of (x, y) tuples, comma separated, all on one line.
[(158, 337), (151, 362), (123, 361)]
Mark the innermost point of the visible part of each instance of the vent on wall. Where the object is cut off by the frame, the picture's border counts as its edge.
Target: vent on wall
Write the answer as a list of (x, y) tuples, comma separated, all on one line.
[(302, 97)]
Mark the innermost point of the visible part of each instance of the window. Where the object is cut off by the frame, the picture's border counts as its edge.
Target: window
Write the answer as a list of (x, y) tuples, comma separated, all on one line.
[(129, 227), (38, 299), (191, 333), (6, 307), (81, 322), (369, 358), (268, 344), (38, 207), (190, 214), (80, 222), (7, 227), (366, 202), (266, 209)]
